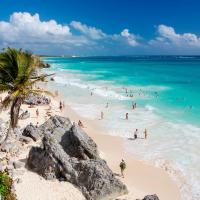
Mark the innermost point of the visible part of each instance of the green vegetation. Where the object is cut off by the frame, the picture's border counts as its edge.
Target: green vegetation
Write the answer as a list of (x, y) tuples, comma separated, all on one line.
[(18, 77), (5, 187)]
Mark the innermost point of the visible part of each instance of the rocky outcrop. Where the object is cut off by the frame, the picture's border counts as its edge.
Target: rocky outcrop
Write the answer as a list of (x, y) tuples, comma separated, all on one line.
[(3, 129), (151, 197), (69, 154), (42, 64), (33, 99), (24, 115), (32, 132)]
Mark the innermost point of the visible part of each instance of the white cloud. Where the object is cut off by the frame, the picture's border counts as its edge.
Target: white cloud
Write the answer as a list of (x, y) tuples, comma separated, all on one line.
[(23, 27), (131, 38), (29, 31), (168, 36), (89, 31)]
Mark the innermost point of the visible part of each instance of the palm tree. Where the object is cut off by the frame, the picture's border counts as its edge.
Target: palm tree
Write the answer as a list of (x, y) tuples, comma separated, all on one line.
[(17, 78)]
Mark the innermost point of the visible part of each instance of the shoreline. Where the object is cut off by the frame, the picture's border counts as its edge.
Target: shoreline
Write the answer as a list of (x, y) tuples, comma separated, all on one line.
[(141, 178), (164, 186), (89, 107)]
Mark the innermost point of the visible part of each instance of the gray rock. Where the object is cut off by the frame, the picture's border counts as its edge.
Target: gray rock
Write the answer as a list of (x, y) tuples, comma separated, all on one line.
[(17, 133), (24, 115), (32, 132), (33, 99), (44, 65), (10, 162), (68, 153), (56, 125), (18, 180), (3, 130), (9, 167), (18, 164), (10, 147), (2, 167), (151, 197), (25, 139)]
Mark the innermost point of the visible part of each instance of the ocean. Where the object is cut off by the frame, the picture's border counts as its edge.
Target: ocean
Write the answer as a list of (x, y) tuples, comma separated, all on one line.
[(166, 90)]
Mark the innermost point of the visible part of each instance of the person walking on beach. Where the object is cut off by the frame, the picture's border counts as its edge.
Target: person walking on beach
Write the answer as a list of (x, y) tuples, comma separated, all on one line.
[(145, 133), (102, 115), (136, 134), (60, 106), (80, 124), (37, 125), (37, 112), (122, 167), (107, 105), (126, 116)]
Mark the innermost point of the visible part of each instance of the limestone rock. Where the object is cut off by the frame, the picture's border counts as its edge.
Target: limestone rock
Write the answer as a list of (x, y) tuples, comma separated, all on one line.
[(68, 153), (31, 131), (25, 139), (18, 164), (37, 100), (24, 115), (151, 197)]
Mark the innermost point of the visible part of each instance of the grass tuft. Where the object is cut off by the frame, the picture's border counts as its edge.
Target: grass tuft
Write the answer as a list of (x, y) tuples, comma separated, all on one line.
[(5, 187)]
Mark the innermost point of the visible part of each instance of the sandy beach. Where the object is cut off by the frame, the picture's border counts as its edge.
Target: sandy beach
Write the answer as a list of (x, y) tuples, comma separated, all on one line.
[(141, 178)]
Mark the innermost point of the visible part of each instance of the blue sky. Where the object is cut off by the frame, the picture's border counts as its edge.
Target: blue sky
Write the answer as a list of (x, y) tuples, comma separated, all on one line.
[(100, 27)]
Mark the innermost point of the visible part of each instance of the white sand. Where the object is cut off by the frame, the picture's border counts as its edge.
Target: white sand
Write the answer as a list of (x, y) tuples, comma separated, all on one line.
[(140, 177), (34, 187)]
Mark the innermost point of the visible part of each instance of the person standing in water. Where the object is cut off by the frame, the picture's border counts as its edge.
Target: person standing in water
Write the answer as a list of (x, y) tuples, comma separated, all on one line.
[(145, 133), (133, 106), (102, 115), (136, 134), (126, 116)]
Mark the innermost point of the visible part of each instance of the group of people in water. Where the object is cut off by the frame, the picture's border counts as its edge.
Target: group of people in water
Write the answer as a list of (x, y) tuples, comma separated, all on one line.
[(137, 132)]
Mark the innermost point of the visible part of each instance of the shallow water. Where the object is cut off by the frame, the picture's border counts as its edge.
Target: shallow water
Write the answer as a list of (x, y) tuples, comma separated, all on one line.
[(167, 93)]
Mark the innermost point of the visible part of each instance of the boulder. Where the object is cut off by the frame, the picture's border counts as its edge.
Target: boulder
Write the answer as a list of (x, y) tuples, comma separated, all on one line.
[(18, 164), (151, 197), (24, 115), (3, 130), (32, 132), (33, 99), (25, 139), (42, 64), (68, 153)]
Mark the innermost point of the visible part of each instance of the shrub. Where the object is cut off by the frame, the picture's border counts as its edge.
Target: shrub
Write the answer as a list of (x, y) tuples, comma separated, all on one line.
[(5, 187)]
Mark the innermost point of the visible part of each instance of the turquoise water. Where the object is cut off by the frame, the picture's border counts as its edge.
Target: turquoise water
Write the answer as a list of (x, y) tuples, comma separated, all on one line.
[(167, 92), (180, 76)]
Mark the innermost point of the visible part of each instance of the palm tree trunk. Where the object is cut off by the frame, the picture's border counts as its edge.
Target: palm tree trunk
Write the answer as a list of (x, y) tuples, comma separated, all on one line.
[(14, 115), (14, 112)]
